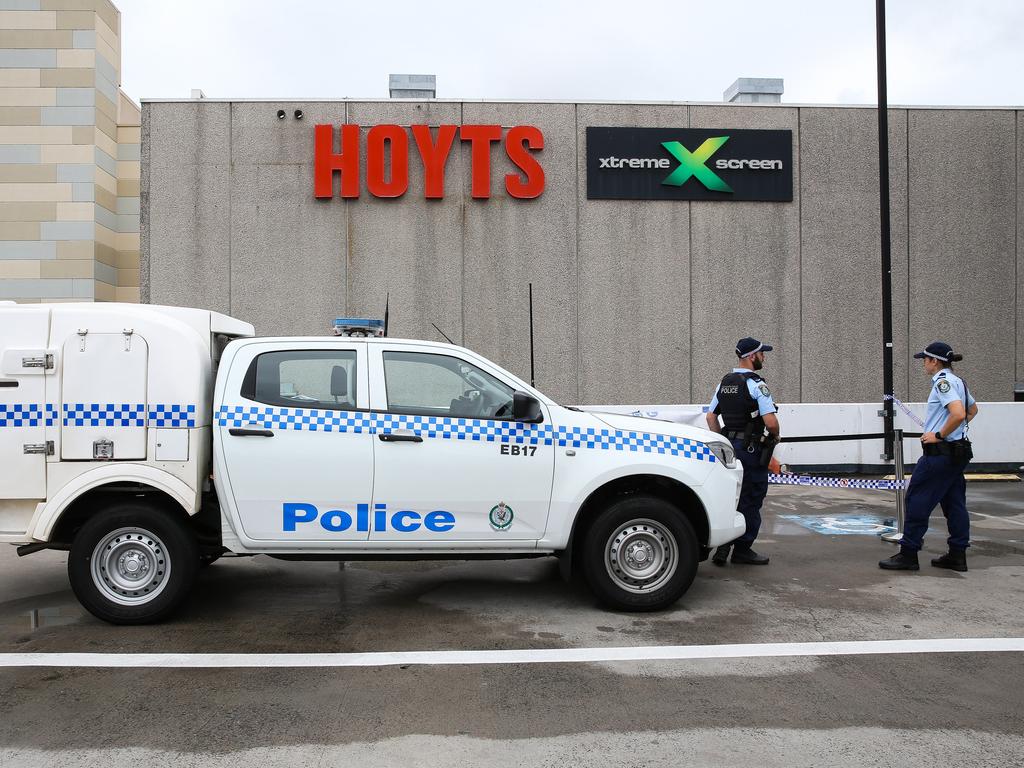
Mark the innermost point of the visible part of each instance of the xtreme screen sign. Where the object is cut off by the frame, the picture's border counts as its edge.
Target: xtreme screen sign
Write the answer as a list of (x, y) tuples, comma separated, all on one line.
[(689, 164)]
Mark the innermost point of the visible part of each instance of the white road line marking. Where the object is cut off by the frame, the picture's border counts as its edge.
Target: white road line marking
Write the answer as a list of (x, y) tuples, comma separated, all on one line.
[(997, 517), (524, 656)]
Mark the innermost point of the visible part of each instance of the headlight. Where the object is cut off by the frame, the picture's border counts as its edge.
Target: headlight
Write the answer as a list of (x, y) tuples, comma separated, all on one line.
[(724, 453)]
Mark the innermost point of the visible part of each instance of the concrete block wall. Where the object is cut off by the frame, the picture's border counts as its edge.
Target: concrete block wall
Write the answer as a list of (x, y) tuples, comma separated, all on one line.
[(66, 229), (635, 301)]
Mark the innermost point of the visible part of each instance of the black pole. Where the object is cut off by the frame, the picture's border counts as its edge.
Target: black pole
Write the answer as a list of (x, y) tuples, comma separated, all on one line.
[(883, 206), (532, 379)]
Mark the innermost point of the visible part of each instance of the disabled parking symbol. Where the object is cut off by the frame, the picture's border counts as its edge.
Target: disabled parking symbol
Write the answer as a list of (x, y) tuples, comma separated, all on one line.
[(842, 525)]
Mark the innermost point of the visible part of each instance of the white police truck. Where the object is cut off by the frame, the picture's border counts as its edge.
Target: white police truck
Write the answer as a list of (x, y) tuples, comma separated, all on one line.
[(147, 441)]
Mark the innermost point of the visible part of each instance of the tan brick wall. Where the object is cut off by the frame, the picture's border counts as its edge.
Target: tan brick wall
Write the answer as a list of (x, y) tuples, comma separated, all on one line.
[(69, 156)]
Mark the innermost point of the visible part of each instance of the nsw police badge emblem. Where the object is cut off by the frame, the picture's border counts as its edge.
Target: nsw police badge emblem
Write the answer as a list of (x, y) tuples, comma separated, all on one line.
[(943, 387), (501, 516)]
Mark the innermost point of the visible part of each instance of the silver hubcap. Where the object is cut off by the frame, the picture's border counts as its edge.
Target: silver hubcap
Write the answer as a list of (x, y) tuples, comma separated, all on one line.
[(641, 556), (130, 566)]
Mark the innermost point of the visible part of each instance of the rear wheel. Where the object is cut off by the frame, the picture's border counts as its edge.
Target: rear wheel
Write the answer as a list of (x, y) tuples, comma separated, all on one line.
[(640, 554), (132, 564)]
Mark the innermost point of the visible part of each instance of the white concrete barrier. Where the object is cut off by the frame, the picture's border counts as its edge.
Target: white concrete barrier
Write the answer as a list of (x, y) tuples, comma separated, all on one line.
[(997, 435)]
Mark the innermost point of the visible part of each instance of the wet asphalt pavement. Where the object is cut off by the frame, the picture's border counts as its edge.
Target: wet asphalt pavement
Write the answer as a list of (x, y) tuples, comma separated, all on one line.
[(916, 709)]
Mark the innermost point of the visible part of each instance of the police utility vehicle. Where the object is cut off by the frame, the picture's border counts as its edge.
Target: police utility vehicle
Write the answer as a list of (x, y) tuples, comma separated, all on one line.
[(148, 440)]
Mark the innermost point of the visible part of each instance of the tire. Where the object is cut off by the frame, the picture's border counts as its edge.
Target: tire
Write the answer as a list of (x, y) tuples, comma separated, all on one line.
[(132, 564), (640, 554)]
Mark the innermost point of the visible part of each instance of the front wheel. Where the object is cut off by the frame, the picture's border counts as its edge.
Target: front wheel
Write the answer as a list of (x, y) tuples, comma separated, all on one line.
[(132, 564), (640, 554)]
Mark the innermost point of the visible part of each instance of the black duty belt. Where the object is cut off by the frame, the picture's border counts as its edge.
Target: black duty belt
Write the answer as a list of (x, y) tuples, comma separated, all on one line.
[(956, 448), (735, 434)]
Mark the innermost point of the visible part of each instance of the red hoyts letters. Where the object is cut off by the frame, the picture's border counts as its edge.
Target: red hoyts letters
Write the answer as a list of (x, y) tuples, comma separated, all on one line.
[(396, 137), (434, 156), (480, 138), (326, 162), (519, 138), (387, 148)]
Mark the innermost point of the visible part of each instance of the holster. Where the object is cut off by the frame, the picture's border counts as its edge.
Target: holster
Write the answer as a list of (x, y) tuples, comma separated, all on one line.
[(767, 449), (962, 450)]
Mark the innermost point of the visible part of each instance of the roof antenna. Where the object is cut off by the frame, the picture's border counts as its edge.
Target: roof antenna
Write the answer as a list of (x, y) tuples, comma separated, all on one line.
[(387, 304), (442, 333), (532, 377)]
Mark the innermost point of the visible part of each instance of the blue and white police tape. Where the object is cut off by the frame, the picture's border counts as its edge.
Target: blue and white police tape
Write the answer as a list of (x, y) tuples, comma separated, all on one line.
[(903, 407), (838, 482)]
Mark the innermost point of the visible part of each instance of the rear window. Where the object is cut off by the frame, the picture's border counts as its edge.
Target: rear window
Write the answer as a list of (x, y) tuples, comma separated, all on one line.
[(321, 378)]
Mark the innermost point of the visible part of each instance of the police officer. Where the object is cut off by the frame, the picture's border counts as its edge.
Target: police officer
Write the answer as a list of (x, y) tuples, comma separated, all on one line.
[(939, 474), (748, 412)]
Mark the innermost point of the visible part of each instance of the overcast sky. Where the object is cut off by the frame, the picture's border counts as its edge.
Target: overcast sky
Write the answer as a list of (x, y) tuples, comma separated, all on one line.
[(940, 52)]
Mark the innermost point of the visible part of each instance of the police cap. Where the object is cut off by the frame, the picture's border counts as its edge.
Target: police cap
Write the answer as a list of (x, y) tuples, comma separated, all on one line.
[(940, 350), (748, 346)]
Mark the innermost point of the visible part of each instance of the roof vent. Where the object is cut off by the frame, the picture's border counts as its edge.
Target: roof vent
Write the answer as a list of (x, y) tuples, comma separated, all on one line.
[(754, 90), (412, 86)]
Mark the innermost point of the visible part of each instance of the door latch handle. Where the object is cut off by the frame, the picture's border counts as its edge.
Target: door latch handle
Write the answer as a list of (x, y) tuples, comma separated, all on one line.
[(241, 432), (43, 361), (391, 437)]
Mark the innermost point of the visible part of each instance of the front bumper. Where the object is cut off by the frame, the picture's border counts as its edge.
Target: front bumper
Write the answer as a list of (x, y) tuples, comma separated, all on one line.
[(720, 536), (721, 494)]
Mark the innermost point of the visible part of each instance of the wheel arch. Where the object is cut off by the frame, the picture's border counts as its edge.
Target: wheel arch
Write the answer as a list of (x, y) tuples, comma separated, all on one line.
[(676, 493), (67, 510)]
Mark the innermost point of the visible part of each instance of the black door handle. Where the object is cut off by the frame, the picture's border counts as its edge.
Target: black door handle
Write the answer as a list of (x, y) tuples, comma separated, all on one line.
[(391, 437), (238, 432)]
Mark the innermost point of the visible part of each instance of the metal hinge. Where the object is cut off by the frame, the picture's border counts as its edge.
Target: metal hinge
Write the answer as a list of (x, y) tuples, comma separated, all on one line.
[(44, 448), (45, 362)]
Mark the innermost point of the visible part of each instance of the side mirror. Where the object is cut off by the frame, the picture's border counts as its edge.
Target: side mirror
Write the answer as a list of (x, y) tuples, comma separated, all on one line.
[(526, 408)]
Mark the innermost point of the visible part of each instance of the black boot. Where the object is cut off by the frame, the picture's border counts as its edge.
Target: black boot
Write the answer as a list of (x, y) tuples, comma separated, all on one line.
[(954, 560), (749, 557), (904, 560), (721, 554)]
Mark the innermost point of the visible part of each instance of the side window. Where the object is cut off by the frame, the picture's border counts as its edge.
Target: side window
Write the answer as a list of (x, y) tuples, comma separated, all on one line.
[(311, 378), (439, 385)]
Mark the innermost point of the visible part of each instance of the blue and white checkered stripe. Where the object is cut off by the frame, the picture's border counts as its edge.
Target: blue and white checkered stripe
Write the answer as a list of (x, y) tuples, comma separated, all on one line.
[(104, 415), (475, 430), (299, 419), (838, 482), (99, 415), (129, 415), (613, 439), (27, 415), (438, 427), (172, 415)]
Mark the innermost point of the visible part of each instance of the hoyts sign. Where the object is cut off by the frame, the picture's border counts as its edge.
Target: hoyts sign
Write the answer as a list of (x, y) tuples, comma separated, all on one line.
[(389, 149)]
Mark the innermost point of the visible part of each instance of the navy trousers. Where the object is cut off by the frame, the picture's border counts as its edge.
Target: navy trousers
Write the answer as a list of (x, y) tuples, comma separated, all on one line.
[(755, 487), (937, 480)]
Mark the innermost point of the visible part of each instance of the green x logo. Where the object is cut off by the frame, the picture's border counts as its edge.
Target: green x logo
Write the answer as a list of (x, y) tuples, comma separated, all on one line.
[(693, 164)]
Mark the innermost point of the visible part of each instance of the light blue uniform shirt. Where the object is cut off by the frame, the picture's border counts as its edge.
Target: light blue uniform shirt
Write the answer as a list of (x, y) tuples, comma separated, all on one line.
[(947, 388), (757, 389)]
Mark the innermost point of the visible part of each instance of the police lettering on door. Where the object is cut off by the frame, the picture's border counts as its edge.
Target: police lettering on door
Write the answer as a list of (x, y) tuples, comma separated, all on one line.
[(338, 520)]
